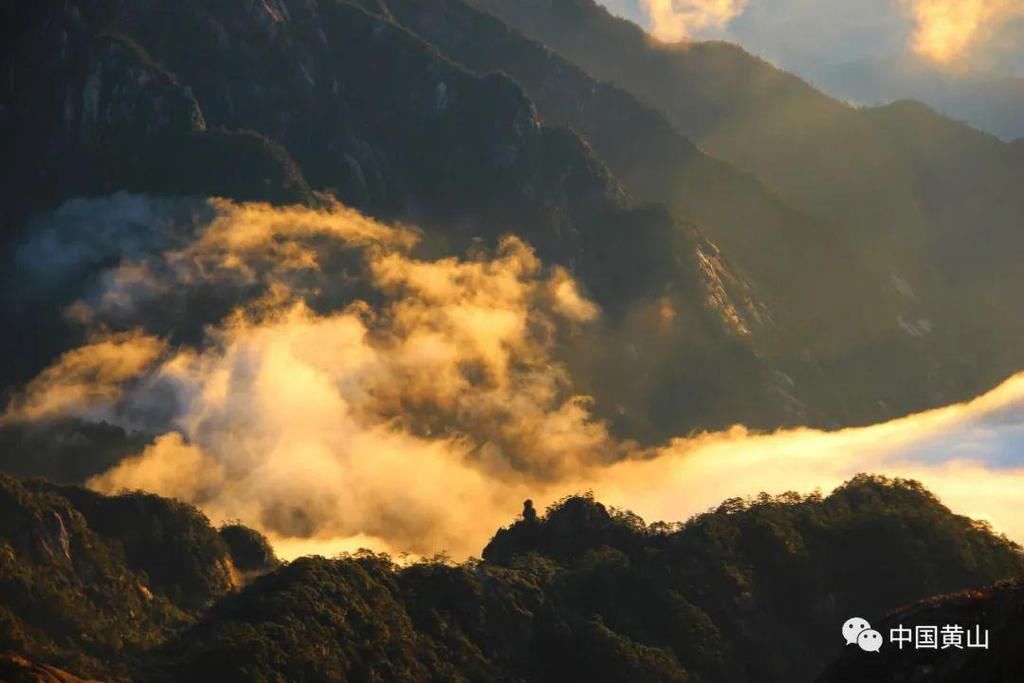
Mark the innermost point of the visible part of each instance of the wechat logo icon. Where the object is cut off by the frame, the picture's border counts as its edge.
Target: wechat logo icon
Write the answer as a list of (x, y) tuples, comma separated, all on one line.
[(858, 631)]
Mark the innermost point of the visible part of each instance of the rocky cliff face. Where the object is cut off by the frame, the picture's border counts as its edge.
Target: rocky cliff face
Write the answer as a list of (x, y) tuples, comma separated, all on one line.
[(67, 596), (219, 99), (87, 582), (395, 108), (904, 198), (87, 111), (655, 162)]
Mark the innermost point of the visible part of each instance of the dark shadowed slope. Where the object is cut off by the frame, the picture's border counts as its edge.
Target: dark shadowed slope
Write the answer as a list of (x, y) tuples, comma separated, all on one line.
[(821, 295), (845, 320), (752, 591), (87, 111), (88, 583), (655, 162), (129, 88), (909, 187), (997, 610)]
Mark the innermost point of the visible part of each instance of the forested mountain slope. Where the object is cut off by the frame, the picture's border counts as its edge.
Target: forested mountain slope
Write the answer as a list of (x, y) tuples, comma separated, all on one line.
[(927, 203), (801, 269), (273, 101), (752, 591)]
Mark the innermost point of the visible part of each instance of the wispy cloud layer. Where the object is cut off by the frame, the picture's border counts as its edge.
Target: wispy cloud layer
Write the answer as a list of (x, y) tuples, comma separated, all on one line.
[(970, 455), (85, 381), (347, 393), (309, 412)]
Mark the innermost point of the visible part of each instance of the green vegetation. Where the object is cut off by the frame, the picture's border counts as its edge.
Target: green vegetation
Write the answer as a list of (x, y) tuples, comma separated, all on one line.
[(135, 585), (90, 582), (66, 594), (250, 550), (915, 213), (848, 265), (237, 103), (588, 592), (176, 551)]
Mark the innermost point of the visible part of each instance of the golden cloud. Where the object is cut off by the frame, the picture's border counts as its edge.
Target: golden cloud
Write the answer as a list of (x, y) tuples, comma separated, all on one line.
[(357, 422), (966, 454), (85, 381), (675, 20), (946, 30), (418, 420)]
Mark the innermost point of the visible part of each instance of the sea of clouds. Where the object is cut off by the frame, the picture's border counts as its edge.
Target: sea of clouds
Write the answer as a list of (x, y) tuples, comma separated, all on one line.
[(305, 372)]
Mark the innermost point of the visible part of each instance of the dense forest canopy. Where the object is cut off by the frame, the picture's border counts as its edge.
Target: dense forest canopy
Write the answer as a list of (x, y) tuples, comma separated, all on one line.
[(285, 277), (143, 587)]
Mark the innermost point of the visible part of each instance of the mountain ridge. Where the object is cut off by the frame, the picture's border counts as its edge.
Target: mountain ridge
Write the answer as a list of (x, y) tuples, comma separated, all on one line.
[(743, 592), (459, 154), (916, 194)]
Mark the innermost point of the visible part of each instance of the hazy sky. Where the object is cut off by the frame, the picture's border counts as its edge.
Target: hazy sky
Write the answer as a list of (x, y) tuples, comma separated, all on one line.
[(802, 34)]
